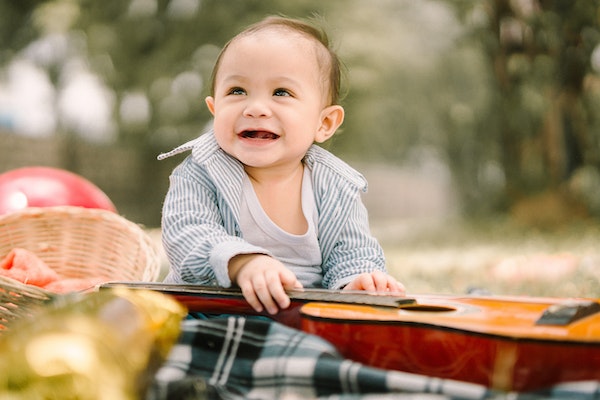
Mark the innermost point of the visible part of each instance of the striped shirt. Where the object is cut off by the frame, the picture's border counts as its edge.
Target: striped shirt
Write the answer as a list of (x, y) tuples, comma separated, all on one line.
[(201, 213)]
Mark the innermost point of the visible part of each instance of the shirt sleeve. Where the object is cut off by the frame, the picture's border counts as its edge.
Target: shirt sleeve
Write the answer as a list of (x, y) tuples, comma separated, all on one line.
[(355, 250), (199, 233)]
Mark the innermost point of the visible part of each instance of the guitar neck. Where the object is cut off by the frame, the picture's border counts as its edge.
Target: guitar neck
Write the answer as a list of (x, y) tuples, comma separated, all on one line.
[(296, 295)]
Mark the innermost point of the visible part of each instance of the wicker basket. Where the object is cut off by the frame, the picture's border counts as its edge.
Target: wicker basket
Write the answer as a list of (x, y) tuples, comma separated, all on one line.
[(75, 242), (18, 300)]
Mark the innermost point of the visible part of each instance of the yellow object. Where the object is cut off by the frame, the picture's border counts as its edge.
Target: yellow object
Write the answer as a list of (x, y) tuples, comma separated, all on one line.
[(105, 345)]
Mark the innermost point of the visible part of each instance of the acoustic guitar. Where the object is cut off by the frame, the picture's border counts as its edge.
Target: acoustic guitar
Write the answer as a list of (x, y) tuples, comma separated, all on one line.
[(509, 343), (217, 300)]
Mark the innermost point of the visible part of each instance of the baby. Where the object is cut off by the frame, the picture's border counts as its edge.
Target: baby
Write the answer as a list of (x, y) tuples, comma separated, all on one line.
[(258, 204)]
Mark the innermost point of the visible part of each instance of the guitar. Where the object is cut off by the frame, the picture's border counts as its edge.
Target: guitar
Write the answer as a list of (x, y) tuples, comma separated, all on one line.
[(217, 300), (509, 343)]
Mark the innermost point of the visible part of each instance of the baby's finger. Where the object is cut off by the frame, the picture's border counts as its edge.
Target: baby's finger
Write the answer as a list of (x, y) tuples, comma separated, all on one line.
[(251, 298), (380, 281), (281, 297), (289, 280), (275, 284), (265, 297), (262, 286), (365, 282), (396, 287)]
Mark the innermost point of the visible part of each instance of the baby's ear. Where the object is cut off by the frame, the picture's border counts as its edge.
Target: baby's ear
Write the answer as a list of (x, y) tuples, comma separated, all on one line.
[(210, 103), (331, 118)]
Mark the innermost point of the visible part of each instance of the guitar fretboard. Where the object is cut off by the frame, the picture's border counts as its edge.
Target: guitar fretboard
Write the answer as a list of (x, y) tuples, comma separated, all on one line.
[(303, 295)]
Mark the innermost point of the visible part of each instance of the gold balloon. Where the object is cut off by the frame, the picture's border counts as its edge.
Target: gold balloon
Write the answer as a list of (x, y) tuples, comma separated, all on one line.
[(104, 345)]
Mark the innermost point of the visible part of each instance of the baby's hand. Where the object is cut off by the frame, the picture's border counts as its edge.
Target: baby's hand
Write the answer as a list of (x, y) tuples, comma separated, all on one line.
[(263, 281), (376, 281)]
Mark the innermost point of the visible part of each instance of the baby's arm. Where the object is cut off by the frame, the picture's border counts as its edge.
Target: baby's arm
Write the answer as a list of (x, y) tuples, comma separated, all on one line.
[(356, 261), (263, 281), (376, 281), (198, 237)]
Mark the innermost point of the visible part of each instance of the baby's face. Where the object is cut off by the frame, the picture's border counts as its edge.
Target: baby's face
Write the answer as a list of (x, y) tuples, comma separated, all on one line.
[(270, 98)]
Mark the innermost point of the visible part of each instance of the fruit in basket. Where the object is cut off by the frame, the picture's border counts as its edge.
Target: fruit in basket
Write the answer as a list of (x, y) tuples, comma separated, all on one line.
[(26, 267), (100, 345), (46, 187)]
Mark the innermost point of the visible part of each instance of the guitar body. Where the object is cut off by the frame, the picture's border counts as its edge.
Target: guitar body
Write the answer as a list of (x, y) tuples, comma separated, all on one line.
[(510, 343), (506, 343)]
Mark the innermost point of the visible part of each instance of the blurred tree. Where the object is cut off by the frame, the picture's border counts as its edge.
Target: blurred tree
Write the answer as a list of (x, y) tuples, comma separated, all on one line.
[(503, 92), (545, 90), (153, 60), (158, 55), (420, 91), (15, 29)]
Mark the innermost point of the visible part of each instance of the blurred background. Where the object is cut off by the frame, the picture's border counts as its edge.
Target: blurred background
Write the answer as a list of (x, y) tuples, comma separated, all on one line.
[(456, 109)]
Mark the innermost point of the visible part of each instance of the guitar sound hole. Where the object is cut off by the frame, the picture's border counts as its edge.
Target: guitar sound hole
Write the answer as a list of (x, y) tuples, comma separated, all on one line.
[(427, 308)]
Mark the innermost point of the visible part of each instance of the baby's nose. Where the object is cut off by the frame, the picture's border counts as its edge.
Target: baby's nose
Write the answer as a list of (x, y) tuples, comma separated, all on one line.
[(256, 108)]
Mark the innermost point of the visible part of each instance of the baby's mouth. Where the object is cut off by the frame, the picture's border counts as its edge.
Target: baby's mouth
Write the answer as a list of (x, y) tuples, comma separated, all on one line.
[(265, 135)]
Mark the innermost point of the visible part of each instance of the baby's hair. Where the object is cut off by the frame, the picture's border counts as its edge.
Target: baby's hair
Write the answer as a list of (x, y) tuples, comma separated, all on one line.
[(331, 62)]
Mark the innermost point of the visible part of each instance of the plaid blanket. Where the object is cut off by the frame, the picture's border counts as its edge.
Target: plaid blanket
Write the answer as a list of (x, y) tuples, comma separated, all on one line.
[(233, 357)]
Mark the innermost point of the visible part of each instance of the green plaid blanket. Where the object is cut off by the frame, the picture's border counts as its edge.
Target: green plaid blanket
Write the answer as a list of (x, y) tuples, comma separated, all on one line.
[(233, 357)]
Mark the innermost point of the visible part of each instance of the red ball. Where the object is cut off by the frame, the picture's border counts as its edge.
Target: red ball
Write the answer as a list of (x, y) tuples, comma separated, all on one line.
[(47, 187)]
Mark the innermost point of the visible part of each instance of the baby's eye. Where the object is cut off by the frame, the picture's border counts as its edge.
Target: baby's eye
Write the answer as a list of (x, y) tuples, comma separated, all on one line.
[(281, 92), (237, 91)]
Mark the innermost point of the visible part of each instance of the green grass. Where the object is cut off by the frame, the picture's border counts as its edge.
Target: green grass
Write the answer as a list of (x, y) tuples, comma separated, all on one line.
[(451, 257)]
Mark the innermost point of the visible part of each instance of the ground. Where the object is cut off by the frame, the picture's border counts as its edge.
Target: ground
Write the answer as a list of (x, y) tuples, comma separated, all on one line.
[(454, 257), (495, 256)]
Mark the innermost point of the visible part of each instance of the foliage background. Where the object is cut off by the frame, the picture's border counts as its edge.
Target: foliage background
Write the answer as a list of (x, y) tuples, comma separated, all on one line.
[(492, 101), (475, 121)]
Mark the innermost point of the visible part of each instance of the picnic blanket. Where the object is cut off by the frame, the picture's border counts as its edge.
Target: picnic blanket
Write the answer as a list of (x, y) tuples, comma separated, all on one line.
[(235, 357)]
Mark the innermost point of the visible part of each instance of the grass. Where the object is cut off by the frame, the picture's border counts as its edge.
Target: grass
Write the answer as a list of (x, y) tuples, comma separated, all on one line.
[(499, 257), (496, 256)]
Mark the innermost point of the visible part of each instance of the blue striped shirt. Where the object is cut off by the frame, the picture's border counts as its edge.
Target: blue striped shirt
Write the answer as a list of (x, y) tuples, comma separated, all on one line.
[(200, 220)]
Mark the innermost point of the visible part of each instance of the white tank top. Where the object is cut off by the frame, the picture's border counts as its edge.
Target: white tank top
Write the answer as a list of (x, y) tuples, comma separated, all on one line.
[(300, 253)]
